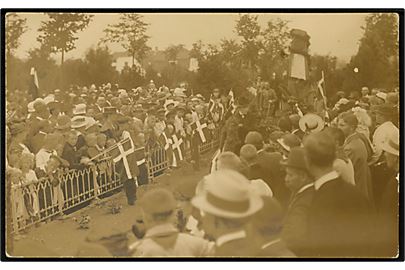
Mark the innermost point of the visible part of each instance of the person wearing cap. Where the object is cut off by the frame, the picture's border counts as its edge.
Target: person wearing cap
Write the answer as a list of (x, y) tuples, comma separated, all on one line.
[(226, 206), (287, 142), (365, 92), (359, 150), (71, 153), (265, 228), (301, 185), (339, 219), (388, 206), (79, 123), (162, 238)]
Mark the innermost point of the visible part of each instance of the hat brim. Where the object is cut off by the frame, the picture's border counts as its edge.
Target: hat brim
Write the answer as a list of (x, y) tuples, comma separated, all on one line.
[(304, 119), (64, 126), (200, 202), (389, 149)]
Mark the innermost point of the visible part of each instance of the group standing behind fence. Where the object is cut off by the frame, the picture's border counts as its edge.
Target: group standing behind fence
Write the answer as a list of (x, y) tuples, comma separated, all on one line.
[(70, 147)]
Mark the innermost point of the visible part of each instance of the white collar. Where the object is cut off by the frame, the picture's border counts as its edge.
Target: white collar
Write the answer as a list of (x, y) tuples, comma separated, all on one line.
[(272, 242), (305, 187), (229, 237), (325, 178)]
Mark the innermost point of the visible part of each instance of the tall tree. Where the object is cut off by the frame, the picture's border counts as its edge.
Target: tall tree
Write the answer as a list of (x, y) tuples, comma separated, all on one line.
[(130, 32), (58, 33), (378, 55), (15, 27), (98, 62), (248, 28), (276, 36), (172, 51)]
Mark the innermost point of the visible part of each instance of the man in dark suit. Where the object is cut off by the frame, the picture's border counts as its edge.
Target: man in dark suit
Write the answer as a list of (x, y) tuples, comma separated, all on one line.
[(300, 183), (339, 219)]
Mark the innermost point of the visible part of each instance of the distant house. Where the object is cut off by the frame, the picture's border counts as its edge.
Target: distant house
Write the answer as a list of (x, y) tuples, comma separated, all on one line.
[(156, 58)]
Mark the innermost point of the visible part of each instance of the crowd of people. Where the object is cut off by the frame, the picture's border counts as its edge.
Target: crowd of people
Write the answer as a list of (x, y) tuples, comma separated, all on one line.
[(318, 183)]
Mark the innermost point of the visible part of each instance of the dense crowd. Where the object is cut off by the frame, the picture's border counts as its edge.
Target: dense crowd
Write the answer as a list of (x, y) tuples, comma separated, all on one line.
[(316, 182)]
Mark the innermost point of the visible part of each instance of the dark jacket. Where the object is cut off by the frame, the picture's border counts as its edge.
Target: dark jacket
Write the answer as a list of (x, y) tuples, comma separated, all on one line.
[(236, 248), (73, 156), (295, 226), (339, 221)]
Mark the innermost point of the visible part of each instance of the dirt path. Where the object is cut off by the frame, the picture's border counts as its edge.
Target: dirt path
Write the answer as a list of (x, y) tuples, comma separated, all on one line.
[(63, 237)]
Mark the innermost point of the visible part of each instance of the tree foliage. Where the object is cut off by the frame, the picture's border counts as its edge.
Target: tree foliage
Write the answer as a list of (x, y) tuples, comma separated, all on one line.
[(130, 32), (378, 54), (58, 33), (172, 51), (15, 27)]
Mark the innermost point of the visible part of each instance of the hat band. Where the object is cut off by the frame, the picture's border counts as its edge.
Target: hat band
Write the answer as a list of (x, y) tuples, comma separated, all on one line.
[(393, 145), (311, 128), (238, 207)]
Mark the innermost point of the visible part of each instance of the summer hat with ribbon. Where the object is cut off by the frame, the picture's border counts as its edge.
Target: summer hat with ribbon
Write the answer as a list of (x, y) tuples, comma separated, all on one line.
[(79, 121), (311, 123), (227, 194)]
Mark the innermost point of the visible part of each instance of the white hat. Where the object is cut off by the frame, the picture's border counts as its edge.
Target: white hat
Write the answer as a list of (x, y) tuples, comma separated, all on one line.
[(79, 121), (91, 122), (228, 194), (168, 102), (79, 109), (391, 145), (311, 123)]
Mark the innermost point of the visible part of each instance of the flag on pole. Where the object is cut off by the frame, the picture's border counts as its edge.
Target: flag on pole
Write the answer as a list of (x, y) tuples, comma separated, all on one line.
[(321, 87), (125, 150), (176, 145), (34, 85)]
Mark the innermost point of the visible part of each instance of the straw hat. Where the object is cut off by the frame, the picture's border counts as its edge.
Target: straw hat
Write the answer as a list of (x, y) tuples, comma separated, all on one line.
[(311, 123), (289, 141), (79, 121), (391, 145), (228, 195)]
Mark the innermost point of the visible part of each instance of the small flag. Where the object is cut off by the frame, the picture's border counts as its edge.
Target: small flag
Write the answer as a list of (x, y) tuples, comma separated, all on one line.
[(34, 85), (198, 127)]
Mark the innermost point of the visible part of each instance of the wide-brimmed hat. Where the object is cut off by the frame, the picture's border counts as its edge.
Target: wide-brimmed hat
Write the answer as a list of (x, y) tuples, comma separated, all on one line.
[(311, 123), (296, 159), (79, 109), (289, 141), (79, 121), (63, 122), (109, 110), (391, 145), (382, 95), (178, 92), (228, 195), (169, 102)]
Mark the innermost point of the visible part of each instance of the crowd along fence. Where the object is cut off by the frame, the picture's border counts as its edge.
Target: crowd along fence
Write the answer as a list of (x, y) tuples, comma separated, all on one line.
[(71, 190)]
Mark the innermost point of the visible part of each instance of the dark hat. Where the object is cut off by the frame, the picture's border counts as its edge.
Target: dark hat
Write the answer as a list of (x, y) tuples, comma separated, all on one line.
[(161, 111), (242, 101), (385, 109), (170, 112), (296, 159)]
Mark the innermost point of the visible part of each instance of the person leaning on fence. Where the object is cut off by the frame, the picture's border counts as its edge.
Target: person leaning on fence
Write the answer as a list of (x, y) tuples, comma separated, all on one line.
[(226, 207), (162, 238)]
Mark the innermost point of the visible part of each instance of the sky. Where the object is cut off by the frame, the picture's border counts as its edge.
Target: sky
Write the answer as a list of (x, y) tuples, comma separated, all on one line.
[(334, 34)]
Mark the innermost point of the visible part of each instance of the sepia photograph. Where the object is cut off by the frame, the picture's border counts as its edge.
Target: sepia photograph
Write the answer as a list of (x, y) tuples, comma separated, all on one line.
[(150, 134)]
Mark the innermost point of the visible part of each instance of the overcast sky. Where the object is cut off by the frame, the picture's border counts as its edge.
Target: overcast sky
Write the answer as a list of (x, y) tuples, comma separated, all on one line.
[(334, 34)]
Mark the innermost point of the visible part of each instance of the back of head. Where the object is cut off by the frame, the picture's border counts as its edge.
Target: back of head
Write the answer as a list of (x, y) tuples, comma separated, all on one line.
[(336, 134), (349, 118), (255, 138), (230, 161), (158, 204), (320, 149), (248, 152)]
